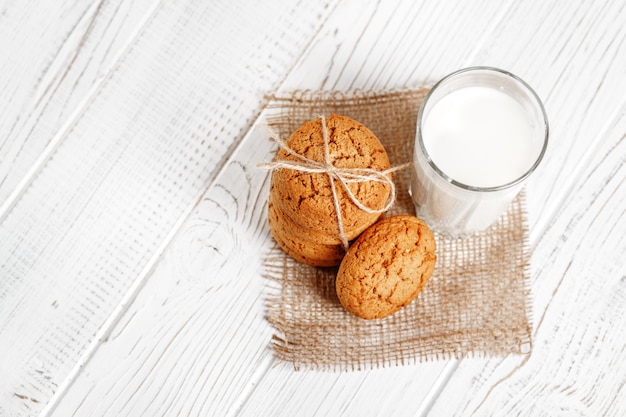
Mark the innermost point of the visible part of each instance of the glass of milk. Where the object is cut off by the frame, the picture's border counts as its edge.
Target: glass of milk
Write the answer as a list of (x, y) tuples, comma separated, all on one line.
[(481, 132)]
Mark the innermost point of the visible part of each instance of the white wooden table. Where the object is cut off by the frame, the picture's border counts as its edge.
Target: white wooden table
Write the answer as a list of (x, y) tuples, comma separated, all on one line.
[(133, 224)]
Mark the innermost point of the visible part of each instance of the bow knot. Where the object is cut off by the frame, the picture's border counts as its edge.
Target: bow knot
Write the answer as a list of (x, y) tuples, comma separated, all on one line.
[(343, 175)]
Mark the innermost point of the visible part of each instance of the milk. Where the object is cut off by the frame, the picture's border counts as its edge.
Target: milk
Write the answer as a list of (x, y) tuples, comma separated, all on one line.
[(481, 132), (480, 136)]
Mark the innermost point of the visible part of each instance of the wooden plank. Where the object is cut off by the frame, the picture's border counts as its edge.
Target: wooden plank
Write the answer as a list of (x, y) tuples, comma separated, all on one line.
[(80, 239), (574, 57), (229, 369), (384, 45), (500, 47), (194, 338), (235, 374), (577, 366), (373, 379), (59, 52), (226, 372), (585, 94), (362, 59)]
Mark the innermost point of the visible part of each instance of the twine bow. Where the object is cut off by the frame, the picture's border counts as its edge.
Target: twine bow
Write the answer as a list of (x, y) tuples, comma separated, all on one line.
[(343, 175)]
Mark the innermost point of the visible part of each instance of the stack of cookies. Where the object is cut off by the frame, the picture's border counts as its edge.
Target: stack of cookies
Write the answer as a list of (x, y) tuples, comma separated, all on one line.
[(391, 260), (302, 214)]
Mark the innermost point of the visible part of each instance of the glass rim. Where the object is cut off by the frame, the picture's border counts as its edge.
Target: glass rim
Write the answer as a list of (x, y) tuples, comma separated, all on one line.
[(531, 93)]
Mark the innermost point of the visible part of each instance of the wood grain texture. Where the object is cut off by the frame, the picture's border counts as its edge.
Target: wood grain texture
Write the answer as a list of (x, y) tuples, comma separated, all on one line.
[(575, 58), (362, 60), (380, 45), (53, 68), (578, 363), (587, 109), (58, 52), (173, 116), (129, 167), (499, 40), (272, 389), (99, 391), (195, 336)]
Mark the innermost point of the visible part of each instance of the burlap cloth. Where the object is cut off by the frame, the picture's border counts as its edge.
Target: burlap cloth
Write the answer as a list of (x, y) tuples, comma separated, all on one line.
[(476, 302)]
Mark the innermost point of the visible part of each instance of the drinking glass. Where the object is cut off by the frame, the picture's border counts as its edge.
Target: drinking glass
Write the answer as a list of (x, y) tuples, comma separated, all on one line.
[(469, 129)]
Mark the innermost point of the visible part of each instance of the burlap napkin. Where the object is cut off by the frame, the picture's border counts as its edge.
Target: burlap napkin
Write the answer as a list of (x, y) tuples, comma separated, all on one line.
[(476, 302)]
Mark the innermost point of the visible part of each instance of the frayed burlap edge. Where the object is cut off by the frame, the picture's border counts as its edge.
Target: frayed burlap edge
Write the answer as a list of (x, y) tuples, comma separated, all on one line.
[(477, 302)]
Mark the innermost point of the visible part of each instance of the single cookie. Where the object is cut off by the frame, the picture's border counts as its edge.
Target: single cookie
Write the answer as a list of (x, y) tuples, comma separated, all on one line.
[(386, 267), (308, 199), (299, 247)]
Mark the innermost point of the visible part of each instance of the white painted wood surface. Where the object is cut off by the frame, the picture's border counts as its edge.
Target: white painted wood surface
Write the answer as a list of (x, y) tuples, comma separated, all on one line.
[(132, 216)]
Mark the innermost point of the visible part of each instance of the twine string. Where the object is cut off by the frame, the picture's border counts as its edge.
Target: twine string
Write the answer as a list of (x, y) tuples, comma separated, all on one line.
[(344, 176), (328, 163)]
